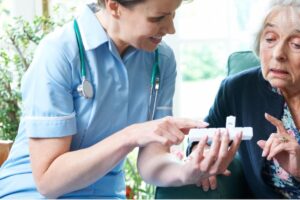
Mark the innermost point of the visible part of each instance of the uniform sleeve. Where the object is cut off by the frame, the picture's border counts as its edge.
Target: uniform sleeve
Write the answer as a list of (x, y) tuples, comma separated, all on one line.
[(48, 109), (168, 80)]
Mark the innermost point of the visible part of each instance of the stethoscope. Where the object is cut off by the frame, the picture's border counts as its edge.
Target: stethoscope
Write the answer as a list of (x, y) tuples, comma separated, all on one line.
[(85, 89)]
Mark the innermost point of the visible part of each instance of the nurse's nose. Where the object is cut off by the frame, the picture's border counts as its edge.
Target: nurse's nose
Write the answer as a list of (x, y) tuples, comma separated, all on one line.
[(168, 27)]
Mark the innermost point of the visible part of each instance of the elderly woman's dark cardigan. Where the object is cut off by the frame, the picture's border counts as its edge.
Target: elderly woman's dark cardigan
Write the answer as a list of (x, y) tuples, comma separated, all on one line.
[(248, 96)]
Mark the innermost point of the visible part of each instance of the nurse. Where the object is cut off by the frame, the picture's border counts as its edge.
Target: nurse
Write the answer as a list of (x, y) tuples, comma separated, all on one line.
[(72, 141)]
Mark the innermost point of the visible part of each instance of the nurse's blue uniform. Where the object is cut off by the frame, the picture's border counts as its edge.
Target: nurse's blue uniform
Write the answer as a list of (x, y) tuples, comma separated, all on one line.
[(52, 106)]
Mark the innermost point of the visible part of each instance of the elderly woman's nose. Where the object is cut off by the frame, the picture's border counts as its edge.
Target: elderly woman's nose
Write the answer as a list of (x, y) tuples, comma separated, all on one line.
[(279, 51)]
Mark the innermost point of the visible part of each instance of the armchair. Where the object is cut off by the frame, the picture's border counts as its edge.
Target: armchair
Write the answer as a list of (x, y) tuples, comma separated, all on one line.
[(234, 186)]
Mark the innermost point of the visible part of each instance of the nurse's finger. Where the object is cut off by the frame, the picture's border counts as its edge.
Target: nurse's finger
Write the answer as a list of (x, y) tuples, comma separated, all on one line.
[(276, 122), (227, 153), (205, 184), (223, 159), (184, 123), (226, 173), (198, 152), (236, 144), (212, 182), (224, 145), (213, 152), (175, 132), (198, 184)]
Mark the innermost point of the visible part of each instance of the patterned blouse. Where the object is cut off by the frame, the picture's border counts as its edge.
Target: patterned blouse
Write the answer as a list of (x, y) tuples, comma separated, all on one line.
[(273, 174)]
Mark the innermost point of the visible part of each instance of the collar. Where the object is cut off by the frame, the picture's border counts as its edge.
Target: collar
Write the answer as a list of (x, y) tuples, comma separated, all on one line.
[(92, 32)]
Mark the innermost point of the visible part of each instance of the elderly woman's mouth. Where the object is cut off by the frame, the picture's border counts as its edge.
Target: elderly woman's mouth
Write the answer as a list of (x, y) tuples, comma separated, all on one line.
[(279, 72)]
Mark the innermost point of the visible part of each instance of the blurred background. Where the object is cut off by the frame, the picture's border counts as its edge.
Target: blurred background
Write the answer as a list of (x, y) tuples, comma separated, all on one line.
[(208, 31)]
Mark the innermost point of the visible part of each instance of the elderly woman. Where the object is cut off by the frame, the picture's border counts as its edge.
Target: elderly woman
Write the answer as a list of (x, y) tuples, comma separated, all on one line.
[(271, 160)]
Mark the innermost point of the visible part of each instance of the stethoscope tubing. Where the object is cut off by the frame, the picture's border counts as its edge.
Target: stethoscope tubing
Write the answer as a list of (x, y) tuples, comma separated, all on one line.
[(81, 49), (154, 82)]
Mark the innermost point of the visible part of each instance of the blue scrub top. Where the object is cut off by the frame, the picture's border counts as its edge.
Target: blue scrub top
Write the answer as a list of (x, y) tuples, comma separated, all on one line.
[(52, 106)]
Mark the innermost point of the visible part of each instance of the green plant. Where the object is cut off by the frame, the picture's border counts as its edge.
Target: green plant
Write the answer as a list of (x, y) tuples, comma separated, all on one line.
[(136, 188), (18, 43), (19, 39)]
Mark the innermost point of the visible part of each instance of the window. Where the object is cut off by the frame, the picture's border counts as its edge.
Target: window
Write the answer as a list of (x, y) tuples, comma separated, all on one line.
[(207, 32)]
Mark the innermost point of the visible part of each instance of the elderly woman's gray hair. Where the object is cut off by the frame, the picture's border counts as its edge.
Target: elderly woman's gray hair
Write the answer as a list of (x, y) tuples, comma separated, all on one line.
[(275, 6)]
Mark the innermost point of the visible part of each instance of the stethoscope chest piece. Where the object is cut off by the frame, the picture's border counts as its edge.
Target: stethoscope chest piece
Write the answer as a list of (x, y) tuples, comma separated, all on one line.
[(85, 89)]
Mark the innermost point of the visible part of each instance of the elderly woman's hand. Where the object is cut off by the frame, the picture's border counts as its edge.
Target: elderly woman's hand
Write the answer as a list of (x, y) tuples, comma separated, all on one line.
[(283, 147), (201, 165)]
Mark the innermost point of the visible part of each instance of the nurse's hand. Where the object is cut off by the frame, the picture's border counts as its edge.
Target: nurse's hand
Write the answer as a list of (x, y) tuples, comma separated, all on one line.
[(166, 131), (211, 182), (201, 165)]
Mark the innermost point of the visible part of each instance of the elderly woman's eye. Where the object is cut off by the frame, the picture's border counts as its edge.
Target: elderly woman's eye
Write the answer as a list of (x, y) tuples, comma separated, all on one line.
[(269, 40), (269, 37), (295, 45)]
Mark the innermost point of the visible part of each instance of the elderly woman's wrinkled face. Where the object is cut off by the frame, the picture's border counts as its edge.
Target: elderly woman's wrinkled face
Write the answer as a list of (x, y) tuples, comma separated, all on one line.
[(280, 49)]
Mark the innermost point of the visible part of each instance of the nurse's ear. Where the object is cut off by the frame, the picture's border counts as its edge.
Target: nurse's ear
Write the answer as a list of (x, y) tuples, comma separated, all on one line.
[(113, 7)]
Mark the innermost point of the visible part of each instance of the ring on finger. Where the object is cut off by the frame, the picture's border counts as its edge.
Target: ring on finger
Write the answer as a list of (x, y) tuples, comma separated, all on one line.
[(283, 139)]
